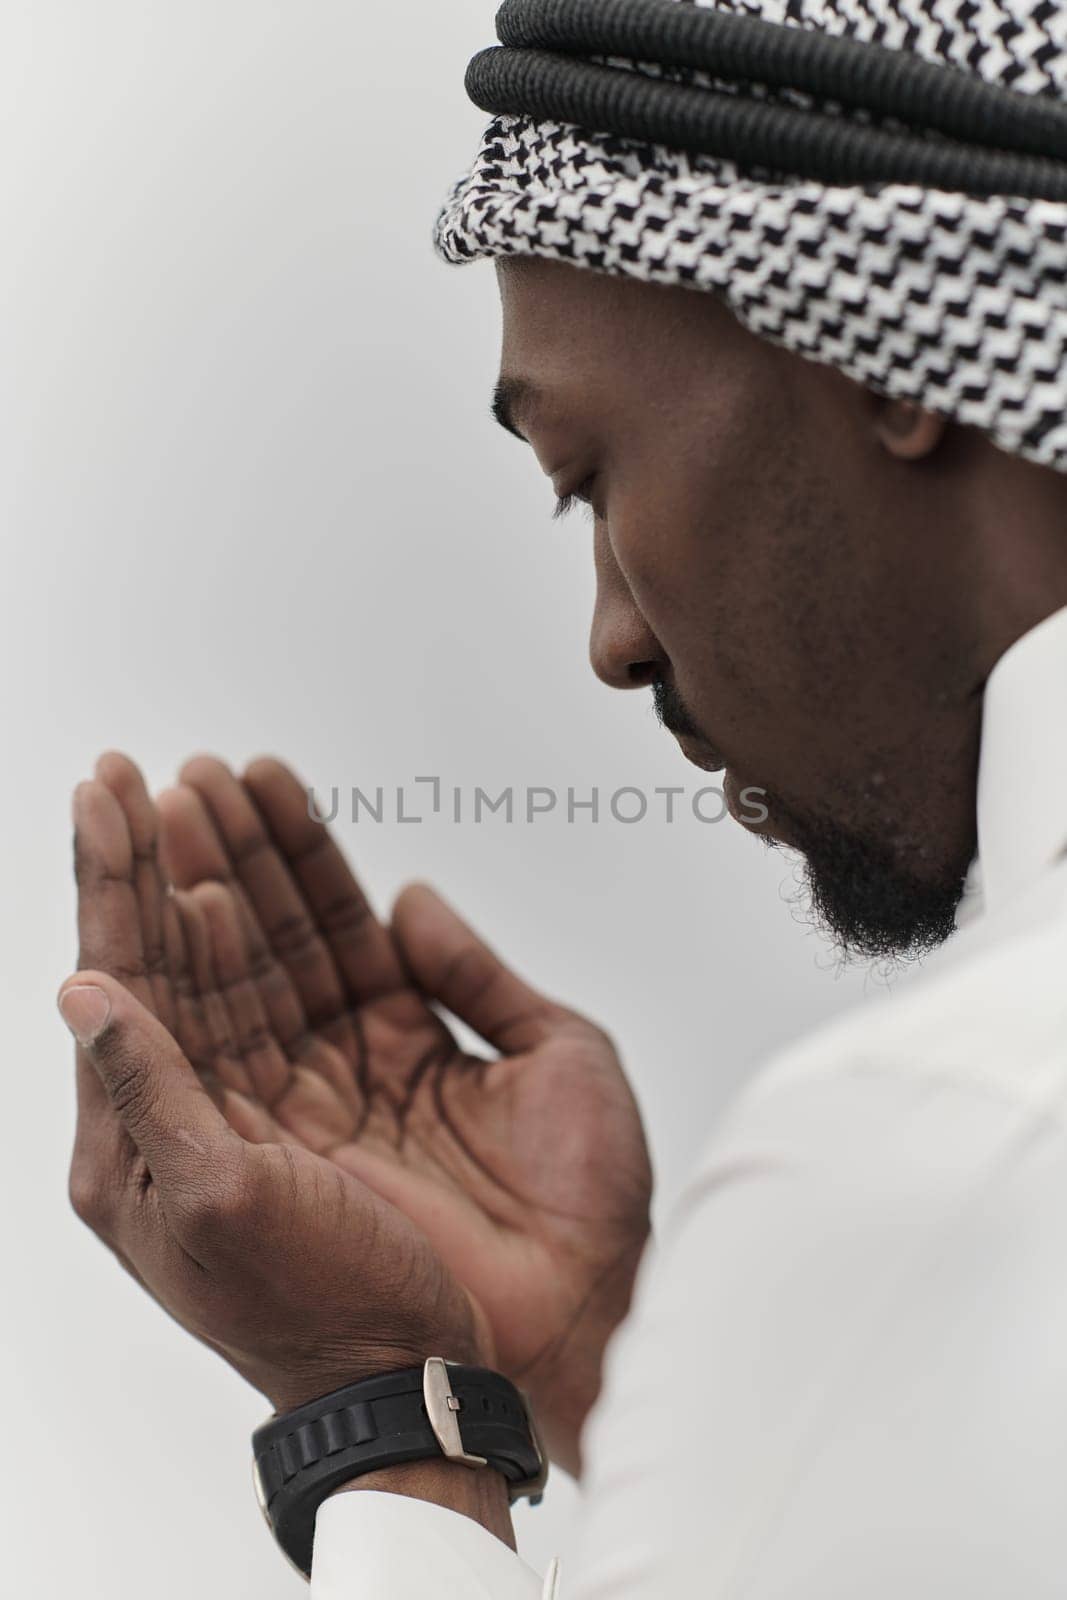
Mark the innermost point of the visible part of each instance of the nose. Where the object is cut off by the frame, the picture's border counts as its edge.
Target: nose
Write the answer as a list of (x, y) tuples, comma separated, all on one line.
[(623, 650)]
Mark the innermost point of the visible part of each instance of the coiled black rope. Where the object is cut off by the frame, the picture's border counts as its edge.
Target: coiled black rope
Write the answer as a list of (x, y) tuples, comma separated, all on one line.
[(961, 133), (886, 82)]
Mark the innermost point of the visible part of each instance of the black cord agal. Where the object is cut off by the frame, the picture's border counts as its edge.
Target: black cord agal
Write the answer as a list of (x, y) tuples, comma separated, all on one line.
[(955, 131)]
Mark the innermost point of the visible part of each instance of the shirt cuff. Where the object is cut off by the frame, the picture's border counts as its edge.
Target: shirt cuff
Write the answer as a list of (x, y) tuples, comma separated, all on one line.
[(372, 1545)]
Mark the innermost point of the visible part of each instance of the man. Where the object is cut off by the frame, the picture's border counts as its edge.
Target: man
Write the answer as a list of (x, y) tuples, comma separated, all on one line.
[(829, 518)]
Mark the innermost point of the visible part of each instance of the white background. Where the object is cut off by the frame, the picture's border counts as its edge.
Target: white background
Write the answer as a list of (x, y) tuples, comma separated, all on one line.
[(253, 502)]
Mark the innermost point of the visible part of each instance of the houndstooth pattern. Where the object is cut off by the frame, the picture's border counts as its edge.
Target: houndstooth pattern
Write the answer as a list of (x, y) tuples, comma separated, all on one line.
[(956, 302)]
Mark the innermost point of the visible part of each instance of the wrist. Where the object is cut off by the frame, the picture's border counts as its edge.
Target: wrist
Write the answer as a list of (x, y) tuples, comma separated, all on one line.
[(476, 1492), (400, 1432), (289, 1390)]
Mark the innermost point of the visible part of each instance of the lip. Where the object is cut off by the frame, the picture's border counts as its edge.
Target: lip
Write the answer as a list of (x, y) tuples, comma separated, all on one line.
[(700, 754)]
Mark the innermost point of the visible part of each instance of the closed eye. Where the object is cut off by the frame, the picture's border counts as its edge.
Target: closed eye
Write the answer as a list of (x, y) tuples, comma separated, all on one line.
[(580, 496)]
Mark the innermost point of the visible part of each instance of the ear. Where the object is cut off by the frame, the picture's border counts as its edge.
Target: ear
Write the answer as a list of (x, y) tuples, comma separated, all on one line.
[(906, 430)]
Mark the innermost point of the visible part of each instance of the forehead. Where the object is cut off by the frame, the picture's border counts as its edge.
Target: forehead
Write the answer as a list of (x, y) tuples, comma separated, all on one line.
[(561, 322), (547, 300), (569, 332)]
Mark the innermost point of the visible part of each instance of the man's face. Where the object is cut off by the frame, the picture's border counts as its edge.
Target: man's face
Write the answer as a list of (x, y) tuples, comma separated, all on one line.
[(794, 594)]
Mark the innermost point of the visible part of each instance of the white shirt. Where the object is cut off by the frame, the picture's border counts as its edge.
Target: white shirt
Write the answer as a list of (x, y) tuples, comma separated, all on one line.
[(845, 1373)]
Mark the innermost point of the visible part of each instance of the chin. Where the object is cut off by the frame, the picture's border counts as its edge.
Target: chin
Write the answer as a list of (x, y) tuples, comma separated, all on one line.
[(754, 808), (872, 903)]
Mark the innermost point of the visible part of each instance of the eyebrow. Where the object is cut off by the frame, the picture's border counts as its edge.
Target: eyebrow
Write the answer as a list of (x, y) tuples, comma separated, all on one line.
[(509, 397)]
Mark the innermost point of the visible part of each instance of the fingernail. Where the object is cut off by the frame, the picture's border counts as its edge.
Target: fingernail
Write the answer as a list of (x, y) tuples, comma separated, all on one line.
[(85, 1009)]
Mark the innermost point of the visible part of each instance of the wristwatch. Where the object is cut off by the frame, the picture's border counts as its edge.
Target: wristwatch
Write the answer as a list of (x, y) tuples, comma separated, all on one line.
[(466, 1414)]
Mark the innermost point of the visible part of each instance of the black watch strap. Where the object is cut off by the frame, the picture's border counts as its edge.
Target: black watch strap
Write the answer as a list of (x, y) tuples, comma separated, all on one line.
[(467, 1414)]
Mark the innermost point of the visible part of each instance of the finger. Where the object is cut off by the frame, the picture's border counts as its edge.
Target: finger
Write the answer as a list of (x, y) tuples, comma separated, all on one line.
[(274, 897), (193, 853), (312, 1093), (109, 908), (187, 1025), (119, 774), (102, 1147), (255, 1046), (230, 1082), (361, 947), (246, 855), (251, 1120), (450, 963), (190, 845), (181, 1134), (205, 1020), (119, 919), (108, 932)]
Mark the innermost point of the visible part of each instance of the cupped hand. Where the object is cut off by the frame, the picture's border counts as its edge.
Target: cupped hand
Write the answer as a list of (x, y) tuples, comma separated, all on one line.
[(297, 1272), (319, 1030), (528, 1171)]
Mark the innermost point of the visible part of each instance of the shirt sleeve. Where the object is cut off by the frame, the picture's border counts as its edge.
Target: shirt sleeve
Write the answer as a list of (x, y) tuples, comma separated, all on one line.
[(371, 1545)]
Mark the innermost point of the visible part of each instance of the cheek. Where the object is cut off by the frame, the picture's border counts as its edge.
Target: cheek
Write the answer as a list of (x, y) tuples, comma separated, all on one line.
[(744, 581), (692, 529), (703, 584)]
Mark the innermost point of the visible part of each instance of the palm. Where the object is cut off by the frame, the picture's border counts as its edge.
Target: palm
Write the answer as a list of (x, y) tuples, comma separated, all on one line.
[(527, 1172)]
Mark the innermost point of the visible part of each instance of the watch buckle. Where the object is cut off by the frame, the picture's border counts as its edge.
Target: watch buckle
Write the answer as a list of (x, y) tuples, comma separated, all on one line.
[(441, 1408)]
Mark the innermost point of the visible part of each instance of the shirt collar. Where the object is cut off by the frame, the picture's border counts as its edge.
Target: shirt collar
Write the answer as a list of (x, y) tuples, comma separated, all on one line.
[(1022, 770)]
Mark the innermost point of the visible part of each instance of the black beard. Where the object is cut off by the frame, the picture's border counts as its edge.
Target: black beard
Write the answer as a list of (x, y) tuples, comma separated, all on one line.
[(859, 893), (870, 904)]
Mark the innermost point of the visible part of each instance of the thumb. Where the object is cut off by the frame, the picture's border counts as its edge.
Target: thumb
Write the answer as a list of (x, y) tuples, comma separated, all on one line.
[(160, 1100), (450, 963)]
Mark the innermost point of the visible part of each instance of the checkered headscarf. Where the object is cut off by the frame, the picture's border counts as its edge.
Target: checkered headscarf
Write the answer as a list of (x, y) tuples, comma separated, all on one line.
[(952, 300)]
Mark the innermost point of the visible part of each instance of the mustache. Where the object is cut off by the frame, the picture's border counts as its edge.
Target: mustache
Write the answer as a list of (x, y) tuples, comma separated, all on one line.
[(671, 711)]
